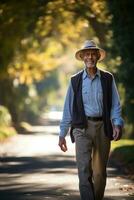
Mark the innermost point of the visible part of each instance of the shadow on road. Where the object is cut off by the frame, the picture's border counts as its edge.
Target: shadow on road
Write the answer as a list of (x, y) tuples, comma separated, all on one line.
[(37, 175), (53, 193), (22, 165), (33, 178)]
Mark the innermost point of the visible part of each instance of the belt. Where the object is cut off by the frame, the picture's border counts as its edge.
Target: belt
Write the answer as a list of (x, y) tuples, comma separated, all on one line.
[(94, 118)]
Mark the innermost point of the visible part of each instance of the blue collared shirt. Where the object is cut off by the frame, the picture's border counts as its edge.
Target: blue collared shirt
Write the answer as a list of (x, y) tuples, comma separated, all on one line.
[(93, 101)]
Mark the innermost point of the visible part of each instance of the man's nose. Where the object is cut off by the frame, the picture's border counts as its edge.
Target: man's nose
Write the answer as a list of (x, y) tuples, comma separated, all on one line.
[(90, 56)]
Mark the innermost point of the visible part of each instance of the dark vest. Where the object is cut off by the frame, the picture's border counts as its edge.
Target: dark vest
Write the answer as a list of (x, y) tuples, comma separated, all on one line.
[(79, 119)]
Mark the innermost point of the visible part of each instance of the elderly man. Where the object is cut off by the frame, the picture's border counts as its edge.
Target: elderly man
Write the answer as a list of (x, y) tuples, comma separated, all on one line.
[(92, 111)]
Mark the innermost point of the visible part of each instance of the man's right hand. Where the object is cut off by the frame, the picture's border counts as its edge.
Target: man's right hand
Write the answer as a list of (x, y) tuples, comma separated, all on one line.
[(62, 144)]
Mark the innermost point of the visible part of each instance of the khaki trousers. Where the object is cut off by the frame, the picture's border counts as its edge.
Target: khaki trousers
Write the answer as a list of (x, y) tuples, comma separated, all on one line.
[(92, 152)]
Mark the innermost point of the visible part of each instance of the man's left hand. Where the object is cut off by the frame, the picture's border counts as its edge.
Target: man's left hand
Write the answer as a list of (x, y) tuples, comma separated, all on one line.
[(117, 132)]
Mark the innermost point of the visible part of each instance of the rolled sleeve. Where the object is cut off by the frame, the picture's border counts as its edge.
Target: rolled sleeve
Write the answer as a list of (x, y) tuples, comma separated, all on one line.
[(118, 121)]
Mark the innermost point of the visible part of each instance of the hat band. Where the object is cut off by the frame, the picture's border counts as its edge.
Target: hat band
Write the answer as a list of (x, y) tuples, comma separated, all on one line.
[(91, 46)]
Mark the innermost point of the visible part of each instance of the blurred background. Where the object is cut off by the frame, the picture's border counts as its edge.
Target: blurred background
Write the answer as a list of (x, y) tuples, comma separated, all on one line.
[(38, 40)]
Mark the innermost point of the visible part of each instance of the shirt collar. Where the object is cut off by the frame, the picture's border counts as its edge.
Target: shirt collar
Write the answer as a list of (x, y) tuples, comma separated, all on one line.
[(85, 75)]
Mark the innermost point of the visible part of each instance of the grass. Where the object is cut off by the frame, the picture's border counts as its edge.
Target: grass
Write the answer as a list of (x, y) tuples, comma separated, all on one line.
[(122, 142), (6, 132), (122, 153)]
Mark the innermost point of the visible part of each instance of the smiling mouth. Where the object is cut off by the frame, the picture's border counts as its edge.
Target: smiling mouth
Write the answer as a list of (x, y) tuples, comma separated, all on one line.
[(90, 62)]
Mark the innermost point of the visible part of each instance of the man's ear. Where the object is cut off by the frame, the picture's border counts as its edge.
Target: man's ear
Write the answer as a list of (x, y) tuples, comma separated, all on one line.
[(81, 55)]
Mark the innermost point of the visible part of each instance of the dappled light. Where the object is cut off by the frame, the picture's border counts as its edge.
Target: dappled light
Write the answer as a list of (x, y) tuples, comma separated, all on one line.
[(32, 166), (40, 54), (38, 42)]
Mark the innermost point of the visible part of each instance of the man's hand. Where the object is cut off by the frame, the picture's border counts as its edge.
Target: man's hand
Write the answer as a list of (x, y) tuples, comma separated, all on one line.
[(62, 144), (117, 132)]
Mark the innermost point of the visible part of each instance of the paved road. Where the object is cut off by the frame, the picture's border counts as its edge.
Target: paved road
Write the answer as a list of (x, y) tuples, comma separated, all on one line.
[(33, 168)]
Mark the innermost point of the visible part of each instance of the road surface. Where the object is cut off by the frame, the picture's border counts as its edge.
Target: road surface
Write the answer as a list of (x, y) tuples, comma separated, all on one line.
[(32, 167)]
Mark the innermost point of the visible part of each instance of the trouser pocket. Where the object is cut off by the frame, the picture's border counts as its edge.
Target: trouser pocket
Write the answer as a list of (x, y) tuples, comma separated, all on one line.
[(80, 131)]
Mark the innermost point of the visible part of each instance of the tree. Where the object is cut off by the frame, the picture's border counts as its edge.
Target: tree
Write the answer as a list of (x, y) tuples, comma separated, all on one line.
[(33, 36), (123, 45), (20, 59)]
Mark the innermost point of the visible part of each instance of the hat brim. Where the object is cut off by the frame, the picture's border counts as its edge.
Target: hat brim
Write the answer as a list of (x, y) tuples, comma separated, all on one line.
[(102, 53)]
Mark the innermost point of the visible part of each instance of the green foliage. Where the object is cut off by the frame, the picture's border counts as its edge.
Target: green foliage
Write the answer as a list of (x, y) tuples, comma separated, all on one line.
[(123, 46), (5, 117), (34, 34), (19, 42), (6, 132), (122, 142), (5, 124), (127, 153), (36, 38), (122, 154)]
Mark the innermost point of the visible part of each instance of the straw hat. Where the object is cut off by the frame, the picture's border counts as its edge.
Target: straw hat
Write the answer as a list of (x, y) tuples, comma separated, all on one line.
[(90, 44)]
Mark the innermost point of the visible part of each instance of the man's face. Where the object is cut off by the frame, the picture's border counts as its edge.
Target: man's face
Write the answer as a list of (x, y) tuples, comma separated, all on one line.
[(90, 57)]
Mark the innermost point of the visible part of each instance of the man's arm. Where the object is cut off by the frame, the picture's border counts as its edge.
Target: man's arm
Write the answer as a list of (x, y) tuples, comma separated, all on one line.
[(66, 118), (116, 118)]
